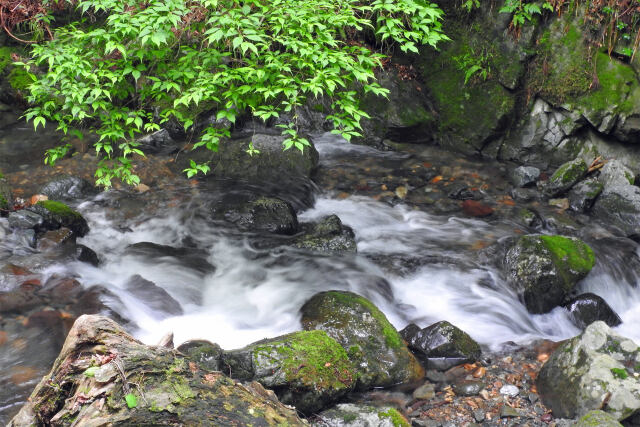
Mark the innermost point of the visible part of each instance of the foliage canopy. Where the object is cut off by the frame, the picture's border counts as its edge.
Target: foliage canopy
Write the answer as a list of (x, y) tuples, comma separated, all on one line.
[(130, 66)]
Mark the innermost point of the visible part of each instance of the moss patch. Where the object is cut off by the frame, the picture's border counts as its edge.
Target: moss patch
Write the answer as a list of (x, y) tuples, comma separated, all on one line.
[(396, 417), (573, 253), (58, 208), (5, 58)]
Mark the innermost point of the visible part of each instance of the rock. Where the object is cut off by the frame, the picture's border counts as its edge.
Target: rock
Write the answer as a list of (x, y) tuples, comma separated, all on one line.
[(66, 188), (193, 258), (530, 218), (360, 415), (595, 370), (509, 390), (443, 345), (476, 209), (509, 412), (206, 354), (524, 176), (583, 195), (55, 238), (619, 206), (57, 214), (158, 142), (614, 173), (168, 390), (374, 346), (468, 387), (266, 214), (307, 369), (85, 254), (524, 194), (587, 308), (328, 236), (156, 298), (565, 177), (25, 219), (544, 269), (409, 331), (562, 204), (425, 392), (597, 418)]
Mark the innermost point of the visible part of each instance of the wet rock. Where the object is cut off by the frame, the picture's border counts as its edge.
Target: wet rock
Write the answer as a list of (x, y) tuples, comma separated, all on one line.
[(524, 176), (595, 370), (266, 214), (409, 331), (424, 392), (559, 203), (583, 195), (530, 218), (597, 418), (509, 412), (544, 269), (97, 300), (463, 192), (55, 238), (476, 209), (329, 236), (615, 173), (58, 215), (88, 255), (351, 414), (619, 206), (206, 354), (25, 219), (509, 390), (307, 369), (587, 308), (443, 345), (193, 258), (68, 188), (158, 142), (524, 194), (374, 346), (468, 387), (167, 389), (155, 297), (19, 300), (565, 177)]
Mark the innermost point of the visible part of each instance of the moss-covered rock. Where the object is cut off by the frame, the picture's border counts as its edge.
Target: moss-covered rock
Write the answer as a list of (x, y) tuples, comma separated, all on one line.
[(206, 354), (57, 214), (595, 370), (544, 269), (619, 206), (306, 369), (328, 236), (350, 414), (565, 177), (583, 195), (103, 376), (378, 351), (597, 418)]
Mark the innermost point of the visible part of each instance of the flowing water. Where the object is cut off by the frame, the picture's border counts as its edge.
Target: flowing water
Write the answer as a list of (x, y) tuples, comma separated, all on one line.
[(235, 288)]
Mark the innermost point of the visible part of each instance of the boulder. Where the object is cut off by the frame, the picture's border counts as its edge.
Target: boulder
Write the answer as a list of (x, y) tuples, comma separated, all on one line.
[(265, 214), (103, 376), (193, 258), (25, 219), (544, 269), (357, 414), (66, 188), (441, 345), (156, 298), (595, 370), (619, 205), (328, 236), (597, 418), (615, 173), (588, 308), (524, 176), (584, 194), (206, 354), (565, 177), (57, 214), (307, 369), (374, 346)]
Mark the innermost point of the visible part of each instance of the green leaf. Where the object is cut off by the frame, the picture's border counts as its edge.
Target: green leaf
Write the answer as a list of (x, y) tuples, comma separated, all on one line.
[(91, 372), (132, 400)]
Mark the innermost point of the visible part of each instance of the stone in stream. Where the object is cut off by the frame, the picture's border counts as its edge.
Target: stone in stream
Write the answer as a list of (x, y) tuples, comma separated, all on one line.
[(192, 258), (524, 176), (565, 177), (357, 414), (156, 298), (162, 387), (377, 350), (595, 370), (68, 188), (25, 219), (328, 236), (441, 345), (306, 369), (619, 206), (544, 269), (57, 214), (614, 173), (265, 214), (587, 308), (584, 194), (88, 255)]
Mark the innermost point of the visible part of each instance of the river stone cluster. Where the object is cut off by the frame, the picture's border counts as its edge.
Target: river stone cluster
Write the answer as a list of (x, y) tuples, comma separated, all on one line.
[(595, 370)]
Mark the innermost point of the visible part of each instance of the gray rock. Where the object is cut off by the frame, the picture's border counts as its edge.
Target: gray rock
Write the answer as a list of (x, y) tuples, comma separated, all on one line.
[(525, 194), (591, 371), (468, 387), (425, 392), (25, 219), (266, 214), (588, 308), (357, 415), (615, 173), (619, 206), (373, 344), (509, 390), (524, 176), (544, 269), (155, 297), (597, 418), (66, 188), (328, 236), (206, 354), (565, 177), (158, 142), (442, 340), (583, 195), (509, 412)]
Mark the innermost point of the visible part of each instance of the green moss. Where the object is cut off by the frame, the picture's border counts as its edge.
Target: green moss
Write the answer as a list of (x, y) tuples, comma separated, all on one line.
[(58, 208), (391, 335), (4, 205), (396, 418), (574, 253), (569, 172), (619, 373), (5, 58), (19, 79), (349, 418), (311, 358)]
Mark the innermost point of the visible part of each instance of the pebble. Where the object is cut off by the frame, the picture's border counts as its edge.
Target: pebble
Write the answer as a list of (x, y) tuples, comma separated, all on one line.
[(424, 392), (508, 412), (478, 415), (468, 388), (509, 390)]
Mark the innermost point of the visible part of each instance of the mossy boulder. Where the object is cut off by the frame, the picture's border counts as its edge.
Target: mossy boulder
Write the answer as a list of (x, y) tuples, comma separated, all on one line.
[(103, 376), (595, 370), (543, 270), (597, 418), (619, 206), (306, 369), (565, 177), (263, 214), (57, 214), (206, 354), (377, 350), (584, 194), (351, 414), (328, 236)]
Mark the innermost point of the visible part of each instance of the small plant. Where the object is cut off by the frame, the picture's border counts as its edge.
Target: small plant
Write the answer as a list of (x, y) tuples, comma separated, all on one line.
[(523, 11), (474, 65), (619, 373), (469, 5)]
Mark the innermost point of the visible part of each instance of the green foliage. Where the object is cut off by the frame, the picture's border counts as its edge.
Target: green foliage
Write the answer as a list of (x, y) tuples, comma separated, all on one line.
[(469, 5), (257, 57), (474, 65), (132, 400), (619, 373), (524, 11)]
